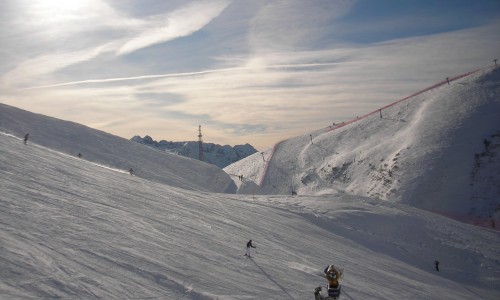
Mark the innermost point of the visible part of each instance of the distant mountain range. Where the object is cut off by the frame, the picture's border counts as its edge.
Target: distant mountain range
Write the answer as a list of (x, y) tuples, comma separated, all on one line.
[(214, 154)]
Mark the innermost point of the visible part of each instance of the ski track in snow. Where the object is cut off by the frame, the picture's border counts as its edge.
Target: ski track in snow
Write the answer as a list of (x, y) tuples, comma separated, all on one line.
[(64, 154), (74, 229)]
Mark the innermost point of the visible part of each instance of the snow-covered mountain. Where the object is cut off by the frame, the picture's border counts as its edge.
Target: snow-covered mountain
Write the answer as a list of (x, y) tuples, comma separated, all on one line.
[(214, 154), (437, 150), (83, 228), (115, 152), (73, 229)]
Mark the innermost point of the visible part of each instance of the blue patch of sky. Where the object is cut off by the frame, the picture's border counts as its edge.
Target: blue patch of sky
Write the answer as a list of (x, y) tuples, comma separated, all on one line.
[(145, 8), (233, 128), (375, 21), (159, 100), (206, 120), (199, 50), (183, 54), (242, 129), (179, 115)]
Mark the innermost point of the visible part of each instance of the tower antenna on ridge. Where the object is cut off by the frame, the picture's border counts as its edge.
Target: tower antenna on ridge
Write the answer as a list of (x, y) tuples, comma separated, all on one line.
[(200, 144)]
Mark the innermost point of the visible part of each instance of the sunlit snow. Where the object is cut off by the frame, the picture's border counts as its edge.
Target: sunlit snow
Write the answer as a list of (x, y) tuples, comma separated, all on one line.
[(83, 228)]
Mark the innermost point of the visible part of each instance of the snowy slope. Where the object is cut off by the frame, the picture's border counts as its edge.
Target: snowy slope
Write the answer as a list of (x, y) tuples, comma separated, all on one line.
[(106, 149), (71, 229), (427, 151)]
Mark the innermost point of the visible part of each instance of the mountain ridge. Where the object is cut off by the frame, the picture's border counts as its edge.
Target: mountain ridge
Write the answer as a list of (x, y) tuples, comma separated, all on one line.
[(421, 151), (215, 154)]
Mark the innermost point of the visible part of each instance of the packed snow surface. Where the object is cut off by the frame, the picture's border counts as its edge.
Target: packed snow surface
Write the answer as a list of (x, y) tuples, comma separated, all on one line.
[(71, 229), (84, 228), (115, 152)]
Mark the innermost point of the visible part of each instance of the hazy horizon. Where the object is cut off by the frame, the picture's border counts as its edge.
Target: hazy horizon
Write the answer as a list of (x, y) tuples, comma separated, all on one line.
[(248, 72)]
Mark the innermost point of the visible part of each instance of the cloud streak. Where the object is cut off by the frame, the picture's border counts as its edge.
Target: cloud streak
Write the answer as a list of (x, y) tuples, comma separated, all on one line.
[(32, 69), (186, 74), (239, 71), (179, 23)]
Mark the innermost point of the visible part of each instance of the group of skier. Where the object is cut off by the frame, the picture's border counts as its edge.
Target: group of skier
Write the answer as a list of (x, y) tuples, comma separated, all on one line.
[(331, 273), (79, 155)]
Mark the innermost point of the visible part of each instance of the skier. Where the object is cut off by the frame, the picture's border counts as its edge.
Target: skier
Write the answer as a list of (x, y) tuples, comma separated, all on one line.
[(26, 138), (131, 171), (249, 245), (436, 263), (332, 275)]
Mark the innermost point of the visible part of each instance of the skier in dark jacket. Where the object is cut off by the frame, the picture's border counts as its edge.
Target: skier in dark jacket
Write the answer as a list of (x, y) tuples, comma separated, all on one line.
[(436, 263), (249, 245), (26, 138)]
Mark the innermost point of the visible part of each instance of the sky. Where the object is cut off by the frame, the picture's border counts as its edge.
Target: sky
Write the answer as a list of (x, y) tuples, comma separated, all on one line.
[(251, 72)]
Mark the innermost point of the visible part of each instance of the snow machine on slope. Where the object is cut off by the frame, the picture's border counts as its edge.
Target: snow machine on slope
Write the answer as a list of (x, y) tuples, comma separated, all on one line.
[(332, 293), (332, 275)]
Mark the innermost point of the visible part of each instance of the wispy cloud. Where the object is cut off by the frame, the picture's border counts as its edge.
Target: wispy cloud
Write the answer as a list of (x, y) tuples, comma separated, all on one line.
[(252, 66), (32, 69), (179, 23), (285, 25), (256, 71)]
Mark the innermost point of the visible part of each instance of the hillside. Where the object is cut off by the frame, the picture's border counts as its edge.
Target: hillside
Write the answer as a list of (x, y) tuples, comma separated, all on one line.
[(72, 229), (438, 150), (115, 152)]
